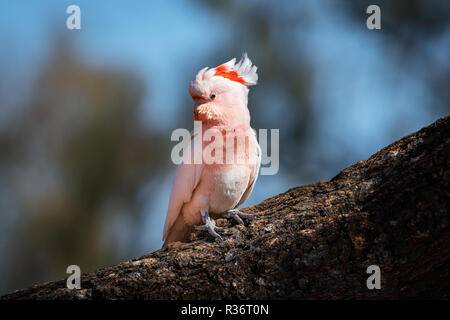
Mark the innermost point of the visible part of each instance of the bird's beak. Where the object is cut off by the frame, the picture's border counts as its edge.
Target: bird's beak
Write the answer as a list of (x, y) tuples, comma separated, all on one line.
[(200, 98)]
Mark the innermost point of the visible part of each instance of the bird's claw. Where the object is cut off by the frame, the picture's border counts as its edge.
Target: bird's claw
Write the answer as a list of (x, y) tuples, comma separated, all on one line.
[(237, 215), (209, 225)]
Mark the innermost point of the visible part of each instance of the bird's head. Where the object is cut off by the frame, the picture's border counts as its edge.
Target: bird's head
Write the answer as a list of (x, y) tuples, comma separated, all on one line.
[(220, 94)]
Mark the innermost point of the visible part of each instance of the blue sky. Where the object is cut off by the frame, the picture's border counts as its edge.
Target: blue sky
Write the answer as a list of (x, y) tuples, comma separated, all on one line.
[(143, 35)]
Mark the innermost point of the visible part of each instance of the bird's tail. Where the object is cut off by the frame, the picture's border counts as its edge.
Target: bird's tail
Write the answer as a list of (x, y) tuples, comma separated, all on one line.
[(178, 232)]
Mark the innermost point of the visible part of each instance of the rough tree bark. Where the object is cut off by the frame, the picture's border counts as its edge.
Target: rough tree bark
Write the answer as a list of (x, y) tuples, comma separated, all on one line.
[(312, 242)]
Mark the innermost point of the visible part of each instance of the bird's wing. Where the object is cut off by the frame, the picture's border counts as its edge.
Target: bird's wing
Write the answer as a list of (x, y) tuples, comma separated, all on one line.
[(253, 177), (186, 179)]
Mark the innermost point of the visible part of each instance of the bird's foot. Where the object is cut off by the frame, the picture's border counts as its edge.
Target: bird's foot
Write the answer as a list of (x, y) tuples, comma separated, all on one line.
[(209, 225), (237, 215)]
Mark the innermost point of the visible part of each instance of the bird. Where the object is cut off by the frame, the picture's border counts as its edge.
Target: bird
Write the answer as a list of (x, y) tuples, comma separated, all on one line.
[(203, 191)]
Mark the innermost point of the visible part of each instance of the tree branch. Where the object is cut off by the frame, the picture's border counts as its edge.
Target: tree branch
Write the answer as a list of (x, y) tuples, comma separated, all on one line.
[(313, 242)]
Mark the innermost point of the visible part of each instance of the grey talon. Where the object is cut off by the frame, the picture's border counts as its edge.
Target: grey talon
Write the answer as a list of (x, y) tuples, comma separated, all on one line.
[(237, 215), (209, 225)]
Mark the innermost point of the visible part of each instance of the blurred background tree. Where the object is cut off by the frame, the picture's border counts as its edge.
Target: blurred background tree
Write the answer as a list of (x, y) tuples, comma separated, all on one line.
[(86, 116), (413, 31), (277, 35), (77, 157)]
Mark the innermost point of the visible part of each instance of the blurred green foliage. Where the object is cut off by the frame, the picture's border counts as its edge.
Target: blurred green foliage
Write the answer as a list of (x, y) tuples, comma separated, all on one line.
[(80, 130), (275, 32)]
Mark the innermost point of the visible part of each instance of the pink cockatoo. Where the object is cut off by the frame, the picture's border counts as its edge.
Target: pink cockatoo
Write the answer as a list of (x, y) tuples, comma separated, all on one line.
[(202, 192)]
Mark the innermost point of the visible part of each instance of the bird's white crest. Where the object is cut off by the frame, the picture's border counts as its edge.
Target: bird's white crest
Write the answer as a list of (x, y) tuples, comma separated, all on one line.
[(243, 71)]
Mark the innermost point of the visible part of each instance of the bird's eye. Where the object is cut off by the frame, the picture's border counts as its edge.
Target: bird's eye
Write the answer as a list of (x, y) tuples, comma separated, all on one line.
[(212, 96)]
